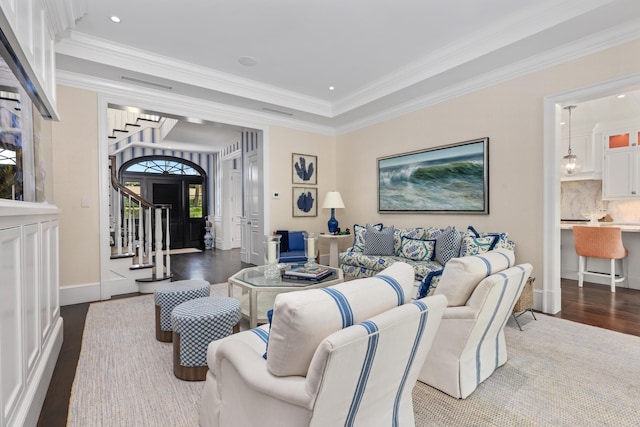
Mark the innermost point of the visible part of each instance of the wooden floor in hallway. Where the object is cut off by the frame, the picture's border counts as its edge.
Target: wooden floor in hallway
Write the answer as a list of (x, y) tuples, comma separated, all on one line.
[(593, 304)]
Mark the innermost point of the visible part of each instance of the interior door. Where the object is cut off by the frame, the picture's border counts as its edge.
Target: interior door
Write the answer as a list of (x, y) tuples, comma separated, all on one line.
[(236, 208), (171, 194), (253, 207)]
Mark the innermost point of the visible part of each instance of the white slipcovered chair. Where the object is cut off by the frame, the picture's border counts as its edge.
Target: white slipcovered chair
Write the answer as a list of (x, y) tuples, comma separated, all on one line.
[(344, 355), (481, 291)]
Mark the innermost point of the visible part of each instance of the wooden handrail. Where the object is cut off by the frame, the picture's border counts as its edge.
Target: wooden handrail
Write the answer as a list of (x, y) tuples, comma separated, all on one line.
[(115, 184)]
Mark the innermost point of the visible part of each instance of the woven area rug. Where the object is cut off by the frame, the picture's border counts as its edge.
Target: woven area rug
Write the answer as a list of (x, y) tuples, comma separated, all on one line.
[(559, 373)]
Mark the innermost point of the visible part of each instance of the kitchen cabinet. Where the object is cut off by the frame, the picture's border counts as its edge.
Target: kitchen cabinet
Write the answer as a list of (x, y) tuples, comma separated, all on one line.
[(621, 170)]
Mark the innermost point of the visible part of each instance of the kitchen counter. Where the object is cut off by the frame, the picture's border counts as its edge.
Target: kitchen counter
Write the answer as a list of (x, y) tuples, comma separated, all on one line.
[(625, 227)]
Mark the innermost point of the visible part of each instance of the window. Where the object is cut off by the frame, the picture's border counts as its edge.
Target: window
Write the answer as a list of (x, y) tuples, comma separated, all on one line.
[(162, 166), (195, 200)]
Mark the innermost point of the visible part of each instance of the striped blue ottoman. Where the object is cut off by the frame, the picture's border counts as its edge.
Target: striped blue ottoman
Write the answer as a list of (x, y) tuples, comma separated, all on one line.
[(172, 294), (195, 324)]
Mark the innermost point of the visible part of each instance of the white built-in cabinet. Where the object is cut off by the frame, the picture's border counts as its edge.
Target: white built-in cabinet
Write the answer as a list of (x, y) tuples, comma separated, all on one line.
[(621, 171), (30, 322)]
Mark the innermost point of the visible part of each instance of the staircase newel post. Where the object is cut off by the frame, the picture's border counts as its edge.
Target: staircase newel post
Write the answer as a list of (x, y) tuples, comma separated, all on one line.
[(167, 244)]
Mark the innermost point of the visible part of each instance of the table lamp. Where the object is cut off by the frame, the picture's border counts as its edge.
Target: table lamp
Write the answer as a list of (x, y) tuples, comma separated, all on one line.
[(333, 201)]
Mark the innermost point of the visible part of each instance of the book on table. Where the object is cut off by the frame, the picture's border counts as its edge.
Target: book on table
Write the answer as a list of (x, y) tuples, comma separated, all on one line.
[(301, 273)]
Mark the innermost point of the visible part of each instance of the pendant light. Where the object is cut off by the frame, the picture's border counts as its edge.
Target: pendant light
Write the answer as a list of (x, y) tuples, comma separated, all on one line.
[(570, 164)]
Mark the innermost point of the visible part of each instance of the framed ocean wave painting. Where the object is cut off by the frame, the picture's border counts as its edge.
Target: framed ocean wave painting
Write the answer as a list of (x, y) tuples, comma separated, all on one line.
[(447, 179)]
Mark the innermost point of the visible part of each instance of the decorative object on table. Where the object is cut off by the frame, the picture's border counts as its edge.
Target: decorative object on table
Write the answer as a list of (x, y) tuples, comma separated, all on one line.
[(305, 168), (333, 201), (452, 178), (570, 164), (305, 201), (272, 257), (594, 215), (305, 274), (310, 248)]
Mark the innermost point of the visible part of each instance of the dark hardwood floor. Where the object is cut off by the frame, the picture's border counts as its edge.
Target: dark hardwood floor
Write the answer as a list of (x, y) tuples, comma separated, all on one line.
[(593, 305), (596, 305)]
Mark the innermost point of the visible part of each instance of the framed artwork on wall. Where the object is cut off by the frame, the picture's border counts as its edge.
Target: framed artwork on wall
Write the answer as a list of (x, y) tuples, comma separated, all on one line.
[(305, 201), (304, 168), (447, 179)]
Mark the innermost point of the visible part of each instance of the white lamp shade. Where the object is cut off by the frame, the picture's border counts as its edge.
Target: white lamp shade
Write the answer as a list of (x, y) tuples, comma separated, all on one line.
[(333, 200)]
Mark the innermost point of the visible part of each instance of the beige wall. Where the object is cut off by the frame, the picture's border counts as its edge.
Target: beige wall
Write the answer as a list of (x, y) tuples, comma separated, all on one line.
[(75, 166), (511, 115), (283, 143)]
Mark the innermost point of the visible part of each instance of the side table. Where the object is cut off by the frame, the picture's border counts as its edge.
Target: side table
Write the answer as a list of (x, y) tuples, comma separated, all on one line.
[(333, 247), (525, 302)]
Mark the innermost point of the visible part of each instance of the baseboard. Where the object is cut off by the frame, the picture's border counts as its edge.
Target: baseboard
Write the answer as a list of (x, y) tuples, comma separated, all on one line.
[(36, 389), (77, 294)]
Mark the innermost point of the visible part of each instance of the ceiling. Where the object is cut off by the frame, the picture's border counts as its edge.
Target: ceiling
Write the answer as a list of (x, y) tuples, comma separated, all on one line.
[(383, 57)]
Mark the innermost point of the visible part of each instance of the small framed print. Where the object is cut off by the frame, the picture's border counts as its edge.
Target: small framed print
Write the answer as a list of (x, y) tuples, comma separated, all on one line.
[(304, 168), (305, 201)]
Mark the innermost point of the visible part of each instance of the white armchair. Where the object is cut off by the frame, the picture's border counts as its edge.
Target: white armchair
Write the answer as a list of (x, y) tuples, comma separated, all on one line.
[(360, 375), (470, 343)]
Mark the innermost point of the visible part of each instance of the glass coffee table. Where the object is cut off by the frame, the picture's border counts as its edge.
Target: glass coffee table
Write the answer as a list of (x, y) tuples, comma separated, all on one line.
[(258, 293)]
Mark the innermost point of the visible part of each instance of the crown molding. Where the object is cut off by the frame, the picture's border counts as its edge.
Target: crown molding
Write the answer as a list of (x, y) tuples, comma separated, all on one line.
[(63, 14), (170, 103), (516, 27), (83, 46), (583, 47)]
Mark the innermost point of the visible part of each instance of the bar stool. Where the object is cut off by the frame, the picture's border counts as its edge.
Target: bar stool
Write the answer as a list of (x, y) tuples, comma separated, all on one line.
[(599, 242)]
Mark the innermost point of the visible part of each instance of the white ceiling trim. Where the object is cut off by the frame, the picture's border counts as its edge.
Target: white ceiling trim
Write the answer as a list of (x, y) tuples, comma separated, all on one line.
[(63, 14), (569, 52), (474, 46), (168, 103), (102, 51)]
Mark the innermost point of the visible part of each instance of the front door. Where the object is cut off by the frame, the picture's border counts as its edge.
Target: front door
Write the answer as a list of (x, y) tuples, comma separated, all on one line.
[(171, 194)]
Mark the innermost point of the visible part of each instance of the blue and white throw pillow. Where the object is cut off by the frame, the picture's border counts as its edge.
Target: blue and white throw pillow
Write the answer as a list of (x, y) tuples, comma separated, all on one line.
[(379, 242), (418, 250), (473, 244), (447, 245), (358, 236), (417, 233)]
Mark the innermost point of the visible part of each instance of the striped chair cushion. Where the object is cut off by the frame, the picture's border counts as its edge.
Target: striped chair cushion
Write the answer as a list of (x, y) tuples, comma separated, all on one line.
[(301, 320)]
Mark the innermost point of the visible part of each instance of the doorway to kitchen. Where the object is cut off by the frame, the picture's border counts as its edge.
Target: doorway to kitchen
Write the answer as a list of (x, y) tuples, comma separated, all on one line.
[(551, 297)]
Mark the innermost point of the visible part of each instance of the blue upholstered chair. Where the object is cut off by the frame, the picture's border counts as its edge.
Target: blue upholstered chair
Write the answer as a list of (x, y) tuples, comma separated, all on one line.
[(292, 246)]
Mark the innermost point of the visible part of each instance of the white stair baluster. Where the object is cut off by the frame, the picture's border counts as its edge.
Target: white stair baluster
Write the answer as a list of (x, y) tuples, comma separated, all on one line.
[(159, 261), (167, 244), (130, 225)]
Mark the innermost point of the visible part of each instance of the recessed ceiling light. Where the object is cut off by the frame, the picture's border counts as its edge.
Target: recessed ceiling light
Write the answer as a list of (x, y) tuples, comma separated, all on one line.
[(621, 95), (115, 18), (247, 61), (561, 123), (332, 88)]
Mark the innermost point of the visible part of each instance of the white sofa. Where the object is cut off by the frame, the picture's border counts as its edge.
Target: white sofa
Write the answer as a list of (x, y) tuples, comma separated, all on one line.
[(349, 354), (481, 291)]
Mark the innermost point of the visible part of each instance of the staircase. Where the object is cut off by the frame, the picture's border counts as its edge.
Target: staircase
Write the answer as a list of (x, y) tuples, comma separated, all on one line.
[(128, 128), (139, 230)]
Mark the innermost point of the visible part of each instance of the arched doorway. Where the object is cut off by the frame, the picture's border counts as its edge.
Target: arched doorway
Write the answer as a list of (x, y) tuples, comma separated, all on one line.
[(176, 182)]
